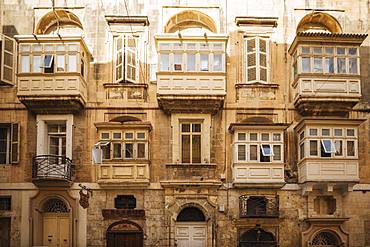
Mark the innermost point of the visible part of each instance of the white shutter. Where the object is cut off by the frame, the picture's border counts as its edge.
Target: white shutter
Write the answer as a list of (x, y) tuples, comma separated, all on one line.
[(257, 59), (14, 147), (251, 59), (8, 60), (119, 59), (131, 59)]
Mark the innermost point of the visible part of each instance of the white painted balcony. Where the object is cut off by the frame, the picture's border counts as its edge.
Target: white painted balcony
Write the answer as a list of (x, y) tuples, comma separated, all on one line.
[(123, 174), (262, 174), (329, 170)]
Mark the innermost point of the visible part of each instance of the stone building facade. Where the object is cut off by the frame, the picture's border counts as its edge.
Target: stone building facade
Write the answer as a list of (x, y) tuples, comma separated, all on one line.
[(184, 123)]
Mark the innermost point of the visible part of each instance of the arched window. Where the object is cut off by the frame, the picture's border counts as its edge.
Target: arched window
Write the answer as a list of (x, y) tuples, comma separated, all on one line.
[(191, 214), (325, 239), (55, 205), (257, 237)]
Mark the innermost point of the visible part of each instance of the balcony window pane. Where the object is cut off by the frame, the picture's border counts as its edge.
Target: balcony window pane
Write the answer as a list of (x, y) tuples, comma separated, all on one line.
[(61, 48), (177, 64), (253, 152), (25, 64), (60, 63), (185, 148), (54, 145), (129, 150), (36, 64), (328, 146), (140, 135), (141, 150), (306, 64), (341, 51), (353, 66), (241, 137), (104, 136), (36, 48), (313, 148), (317, 64), (301, 151), (350, 132), (164, 62), (329, 65), (352, 51), (217, 62), (266, 150), (117, 147), (313, 132), (276, 137), (329, 50), (204, 61), (196, 149), (305, 50), (265, 137), (24, 48), (72, 63), (106, 151), (117, 136), (325, 132), (190, 62), (277, 152), (351, 148), (338, 147), (253, 136), (317, 50), (241, 152), (341, 65), (129, 135), (338, 132)]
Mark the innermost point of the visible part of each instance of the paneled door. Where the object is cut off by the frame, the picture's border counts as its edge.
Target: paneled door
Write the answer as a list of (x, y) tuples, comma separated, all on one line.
[(191, 234), (4, 232), (56, 230)]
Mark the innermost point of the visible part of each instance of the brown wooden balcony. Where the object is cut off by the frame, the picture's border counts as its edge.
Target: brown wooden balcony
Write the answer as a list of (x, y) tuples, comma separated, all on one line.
[(52, 171)]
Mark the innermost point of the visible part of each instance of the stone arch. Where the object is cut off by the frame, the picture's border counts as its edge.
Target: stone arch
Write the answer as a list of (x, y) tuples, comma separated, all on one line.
[(257, 237), (62, 18), (190, 214), (124, 225), (257, 120), (126, 118), (53, 199), (326, 238), (190, 19), (55, 205), (205, 212), (125, 232), (319, 20)]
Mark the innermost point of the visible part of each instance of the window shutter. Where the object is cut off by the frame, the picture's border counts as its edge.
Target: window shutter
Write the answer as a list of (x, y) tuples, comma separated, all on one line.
[(14, 147), (130, 58), (119, 59), (263, 58), (251, 59), (8, 51)]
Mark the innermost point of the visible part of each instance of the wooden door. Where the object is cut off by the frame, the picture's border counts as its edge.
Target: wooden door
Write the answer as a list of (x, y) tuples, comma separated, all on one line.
[(125, 239), (56, 230), (4, 232), (192, 234)]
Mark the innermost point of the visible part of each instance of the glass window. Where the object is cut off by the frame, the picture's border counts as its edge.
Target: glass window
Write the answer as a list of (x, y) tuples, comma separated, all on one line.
[(104, 136), (48, 61), (253, 152), (129, 150), (204, 61), (117, 136), (313, 132), (61, 63), (36, 64), (313, 148), (25, 64), (338, 147), (72, 63), (117, 147), (351, 148), (305, 50), (352, 51), (328, 146), (129, 135), (277, 152), (266, 150), (341, 51), (325, 132), (306, 64), (191, 142), (253, 136), (106, 151), (217, 62), (265, 137), (140, 135), (276, 137), (301, 151), (141, 151), (329, 50), (317, 50), (341, 65), (329, 65), (164, 62), (350, 132), (242, 152), (338, 132), (190, 62), (177, 64), (317, 65), (241, 136), (353, 67)]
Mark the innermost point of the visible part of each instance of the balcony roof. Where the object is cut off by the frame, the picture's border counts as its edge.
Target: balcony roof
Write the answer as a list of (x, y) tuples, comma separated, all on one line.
[(328, 121), (121, 125), (127, 20), (257, 126), (326, 37)]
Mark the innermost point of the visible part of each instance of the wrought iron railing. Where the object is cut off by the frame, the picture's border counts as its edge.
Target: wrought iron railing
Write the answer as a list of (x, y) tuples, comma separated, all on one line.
[(259, 206), (52, 167)]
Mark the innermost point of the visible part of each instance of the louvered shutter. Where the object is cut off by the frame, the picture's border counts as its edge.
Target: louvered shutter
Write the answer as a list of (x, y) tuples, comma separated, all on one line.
[(14, 147), (119, 59), (8, 58), (130, 58)]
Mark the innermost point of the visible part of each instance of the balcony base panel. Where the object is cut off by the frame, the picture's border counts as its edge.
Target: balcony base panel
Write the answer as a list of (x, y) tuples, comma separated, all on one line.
[(50, 182), (58, 105), (123, 183), (272, 185), (313, 106)]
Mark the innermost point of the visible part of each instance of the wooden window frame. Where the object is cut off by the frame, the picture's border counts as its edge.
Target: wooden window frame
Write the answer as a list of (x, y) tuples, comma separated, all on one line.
[(257, 53)]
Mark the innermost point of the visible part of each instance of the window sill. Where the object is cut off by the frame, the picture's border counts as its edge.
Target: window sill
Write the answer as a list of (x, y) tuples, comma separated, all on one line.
[(124, 85), (256, 85)]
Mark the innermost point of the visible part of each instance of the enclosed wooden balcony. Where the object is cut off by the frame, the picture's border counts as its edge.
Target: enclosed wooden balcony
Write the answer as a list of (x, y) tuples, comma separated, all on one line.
[(52, 171), (266, 175), (191, 73), (326, 72), (52, 73)]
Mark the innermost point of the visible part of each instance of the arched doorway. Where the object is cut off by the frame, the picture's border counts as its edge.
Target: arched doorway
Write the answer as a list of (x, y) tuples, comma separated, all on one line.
[(191, 228), (124, 234), (56, 223), (257, 237), (326, 239)]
